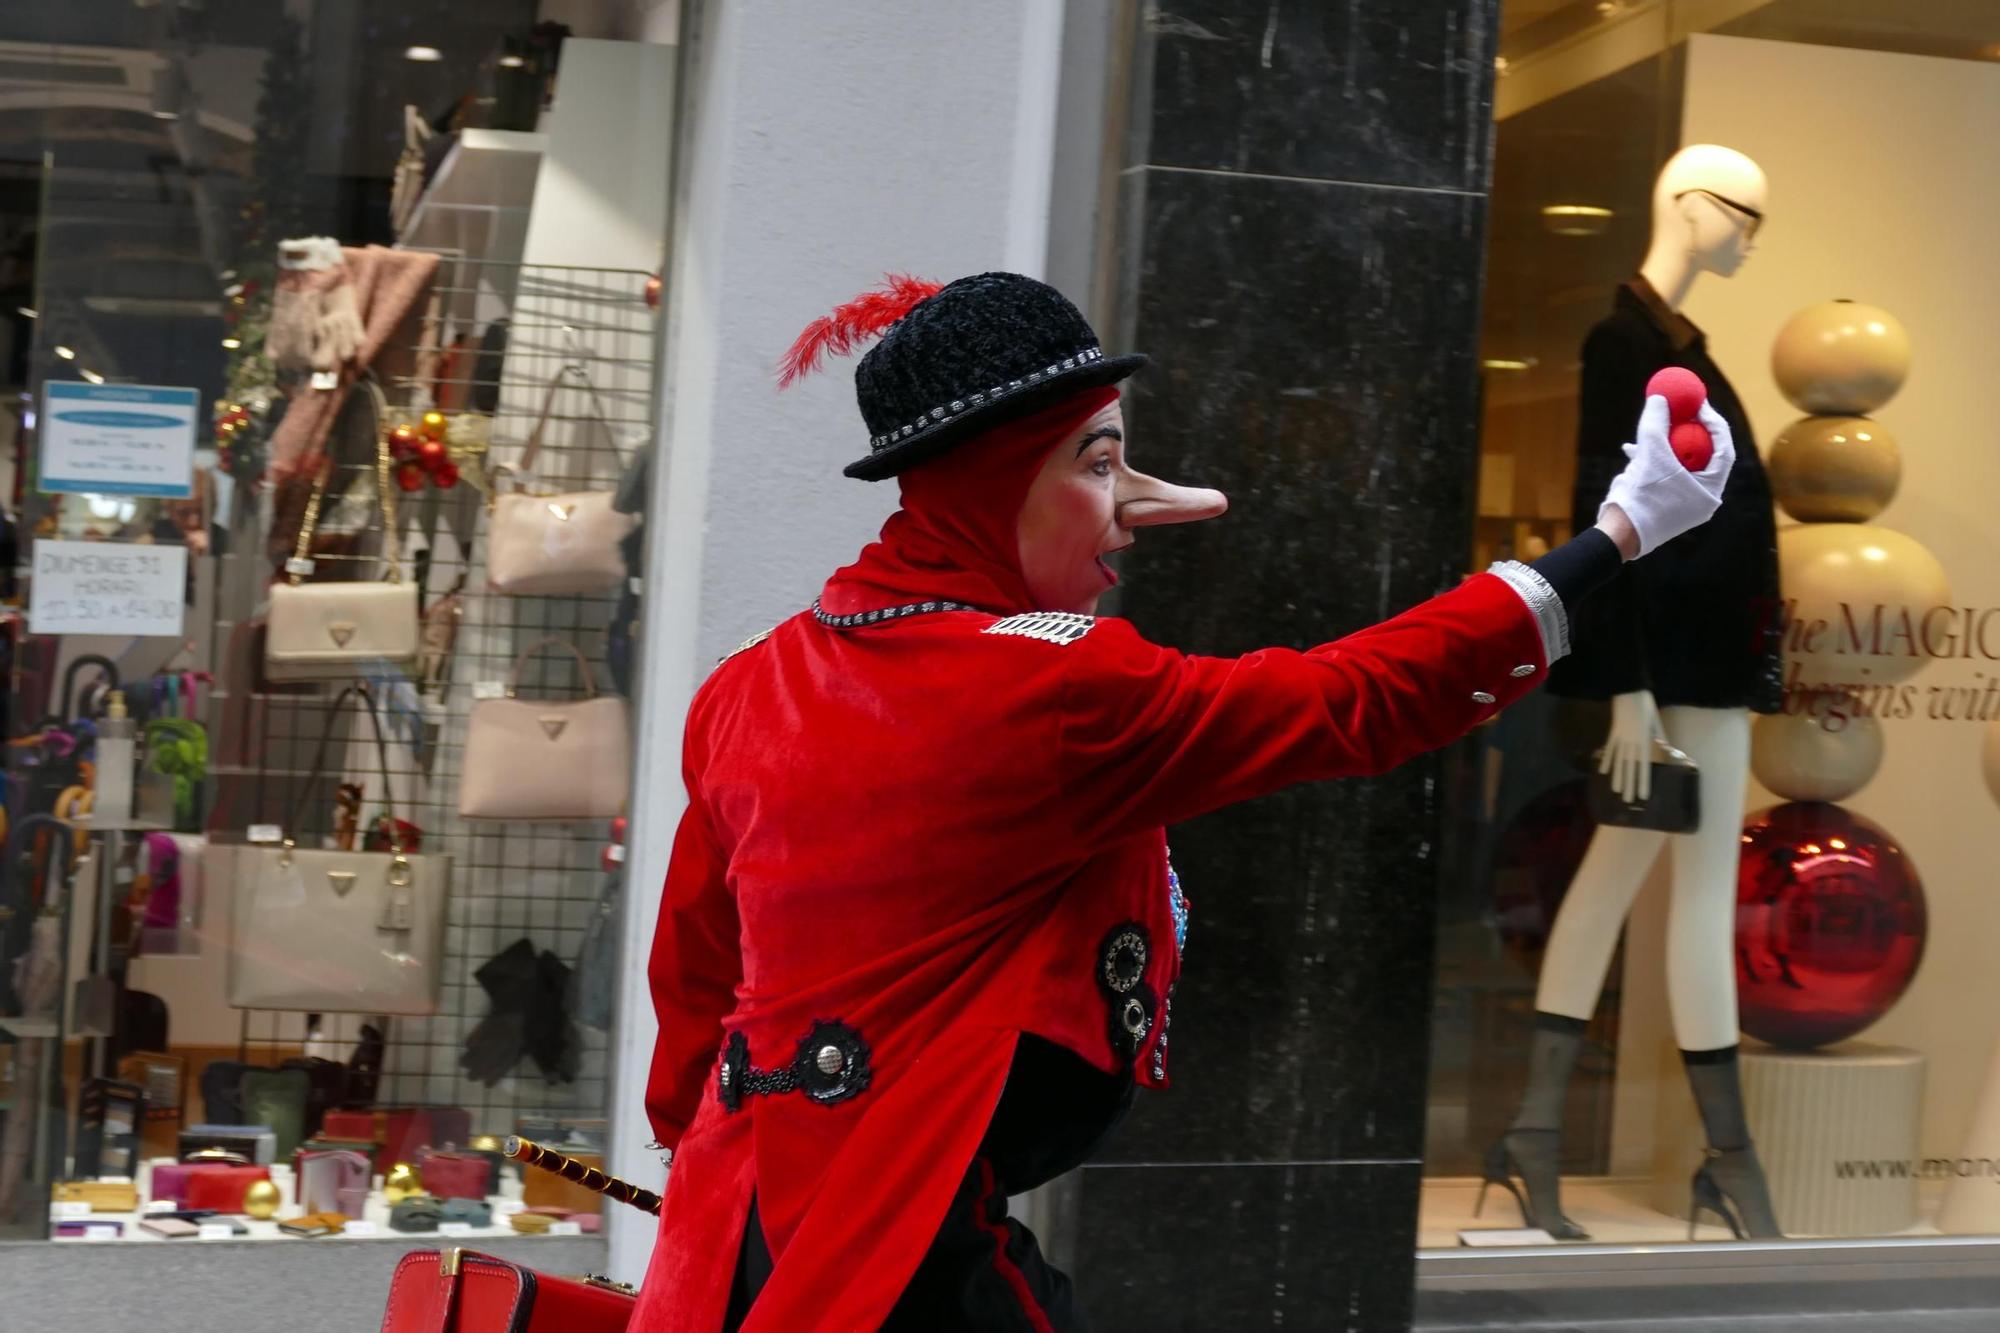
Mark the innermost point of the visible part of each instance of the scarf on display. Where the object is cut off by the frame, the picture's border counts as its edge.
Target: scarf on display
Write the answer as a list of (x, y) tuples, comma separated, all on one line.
[(955, 536)]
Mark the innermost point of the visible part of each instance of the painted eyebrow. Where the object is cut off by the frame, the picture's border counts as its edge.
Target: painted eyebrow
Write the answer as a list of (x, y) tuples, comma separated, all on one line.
[(1100, 433)]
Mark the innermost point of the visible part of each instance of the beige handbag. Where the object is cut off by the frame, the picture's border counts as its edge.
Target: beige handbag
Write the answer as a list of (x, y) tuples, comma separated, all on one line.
[(331, 631), (547, 759), (558, 543), (335, 931)]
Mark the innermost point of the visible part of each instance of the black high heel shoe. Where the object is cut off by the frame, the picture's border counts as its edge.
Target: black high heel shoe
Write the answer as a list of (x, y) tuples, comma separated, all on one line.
[(1731, 1185), (1531, 1155)]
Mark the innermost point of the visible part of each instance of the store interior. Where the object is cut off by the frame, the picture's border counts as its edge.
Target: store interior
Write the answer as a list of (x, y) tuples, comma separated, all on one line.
[(1866, 120)]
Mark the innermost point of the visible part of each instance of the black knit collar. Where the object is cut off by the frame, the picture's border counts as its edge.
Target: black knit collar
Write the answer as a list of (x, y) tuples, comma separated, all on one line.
[(1680, 332)]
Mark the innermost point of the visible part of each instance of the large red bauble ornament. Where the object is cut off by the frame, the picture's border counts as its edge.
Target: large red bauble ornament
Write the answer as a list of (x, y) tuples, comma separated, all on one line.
[(431, 453), (1534, 859), (1830, 924), (653, 292), (445, 475), (409, 476), (403, 441)]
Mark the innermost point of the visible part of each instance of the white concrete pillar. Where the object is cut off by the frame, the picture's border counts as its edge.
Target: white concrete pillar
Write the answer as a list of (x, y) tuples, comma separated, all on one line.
[(823, 144)]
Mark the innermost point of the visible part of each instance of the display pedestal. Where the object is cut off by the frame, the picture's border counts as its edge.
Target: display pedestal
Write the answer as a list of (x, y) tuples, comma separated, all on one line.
[(1837, 1133), (1972, 1198)]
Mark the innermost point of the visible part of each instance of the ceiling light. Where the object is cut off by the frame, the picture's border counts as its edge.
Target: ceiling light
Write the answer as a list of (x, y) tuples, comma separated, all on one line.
[(26, 312), (65, 353), (232, 343), (1576, 219), (1508, 365), (91, 375), (512, 62), (166, 115), (1609, 7), (422, 53), (1500, 64)]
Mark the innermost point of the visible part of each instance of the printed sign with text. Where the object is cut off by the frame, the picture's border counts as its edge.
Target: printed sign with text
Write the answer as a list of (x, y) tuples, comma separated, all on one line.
[(118, 439), (107, 588)]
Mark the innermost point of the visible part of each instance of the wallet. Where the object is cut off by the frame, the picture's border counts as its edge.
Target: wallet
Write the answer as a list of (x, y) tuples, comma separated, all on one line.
[(356, 1125), (169, 1227), (78, 1226), (314, 1224), (419, 1212), (472, 1212), (220, 1188), (256, 1143), (531, 1224), (103, 1196), (1673, 805), (456, 1175)]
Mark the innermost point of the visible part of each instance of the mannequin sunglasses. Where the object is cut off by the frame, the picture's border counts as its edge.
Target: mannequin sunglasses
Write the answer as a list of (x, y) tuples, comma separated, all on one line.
[(1756, 217)]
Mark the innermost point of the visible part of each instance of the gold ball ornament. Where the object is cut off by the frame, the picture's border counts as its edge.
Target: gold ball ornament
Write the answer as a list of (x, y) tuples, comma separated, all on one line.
[(401, 1183), (1841, 358), (1834, 469), (1859, 596), (432, 427), (261, 1200), (1823, 754)]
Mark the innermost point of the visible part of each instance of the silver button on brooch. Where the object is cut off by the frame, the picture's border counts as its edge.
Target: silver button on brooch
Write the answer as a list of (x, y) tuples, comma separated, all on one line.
[(830, 1060), (1525, 669), (1481, 697)]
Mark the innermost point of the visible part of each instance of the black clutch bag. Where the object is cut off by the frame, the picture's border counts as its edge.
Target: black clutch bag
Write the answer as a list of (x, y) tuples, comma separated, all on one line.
[(1673, 806)]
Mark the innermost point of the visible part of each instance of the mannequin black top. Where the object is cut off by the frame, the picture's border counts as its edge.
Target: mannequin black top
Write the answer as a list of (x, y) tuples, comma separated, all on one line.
[(1696, 622)]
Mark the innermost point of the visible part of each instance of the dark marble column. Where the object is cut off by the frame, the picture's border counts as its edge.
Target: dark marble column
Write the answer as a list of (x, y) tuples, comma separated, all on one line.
[(1303, 216)]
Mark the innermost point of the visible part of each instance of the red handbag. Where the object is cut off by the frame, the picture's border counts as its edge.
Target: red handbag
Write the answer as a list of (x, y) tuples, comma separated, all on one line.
[(459, 1291), (409, 1129), (350, 1125), (453, 1175), (221, 1188)]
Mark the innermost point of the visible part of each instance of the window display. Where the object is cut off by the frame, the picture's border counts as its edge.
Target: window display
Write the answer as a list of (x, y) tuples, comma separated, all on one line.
[(1771, 1031), (318, 732)]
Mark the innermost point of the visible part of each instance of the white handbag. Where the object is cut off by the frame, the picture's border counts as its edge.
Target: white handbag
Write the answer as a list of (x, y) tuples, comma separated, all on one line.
[(530, 759), (543, 544), (329, 931), (332, 631)]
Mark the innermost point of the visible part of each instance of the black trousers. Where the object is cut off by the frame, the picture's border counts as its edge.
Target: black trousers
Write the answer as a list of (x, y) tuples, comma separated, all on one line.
[(982, 1273)]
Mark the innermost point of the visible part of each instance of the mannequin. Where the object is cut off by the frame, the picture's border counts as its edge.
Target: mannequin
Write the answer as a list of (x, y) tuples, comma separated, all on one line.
[(1694, 689)]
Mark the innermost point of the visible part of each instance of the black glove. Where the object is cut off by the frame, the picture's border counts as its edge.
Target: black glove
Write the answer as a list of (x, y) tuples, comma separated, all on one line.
[(496, 1045), (552, 1038)]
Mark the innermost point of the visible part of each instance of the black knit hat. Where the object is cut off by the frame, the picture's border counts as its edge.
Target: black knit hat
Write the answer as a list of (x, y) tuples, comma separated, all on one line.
[(957, 361)]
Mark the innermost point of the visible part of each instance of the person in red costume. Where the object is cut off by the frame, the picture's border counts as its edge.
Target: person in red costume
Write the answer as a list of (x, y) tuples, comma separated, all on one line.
[(920, 932)]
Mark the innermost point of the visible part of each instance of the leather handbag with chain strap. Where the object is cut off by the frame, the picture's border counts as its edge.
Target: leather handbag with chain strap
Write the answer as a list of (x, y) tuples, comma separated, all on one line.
[(335, 931), (555, 543), (333, 631), (547, 758)]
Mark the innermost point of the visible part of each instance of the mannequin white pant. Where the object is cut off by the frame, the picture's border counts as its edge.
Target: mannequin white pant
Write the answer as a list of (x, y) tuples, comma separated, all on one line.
[(1701, 927)]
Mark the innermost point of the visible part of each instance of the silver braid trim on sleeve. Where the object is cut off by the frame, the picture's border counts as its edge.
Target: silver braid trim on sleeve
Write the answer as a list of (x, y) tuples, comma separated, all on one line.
[(1550, 616)]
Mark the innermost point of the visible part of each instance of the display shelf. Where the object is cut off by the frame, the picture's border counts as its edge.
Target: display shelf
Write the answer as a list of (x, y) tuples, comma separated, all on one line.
[(31, 1027), (477, 206)]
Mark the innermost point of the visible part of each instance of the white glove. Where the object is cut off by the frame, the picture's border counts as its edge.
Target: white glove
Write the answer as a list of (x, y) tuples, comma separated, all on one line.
[(1657, 492), (1627, 757)]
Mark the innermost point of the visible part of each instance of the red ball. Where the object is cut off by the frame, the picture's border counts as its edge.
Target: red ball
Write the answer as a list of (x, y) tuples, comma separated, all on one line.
[(409, 476), (445, 475), (402, 442), (431, 452), (1830, 924), (1683, 390), (653, 292), (1692, 444), (618, 827)]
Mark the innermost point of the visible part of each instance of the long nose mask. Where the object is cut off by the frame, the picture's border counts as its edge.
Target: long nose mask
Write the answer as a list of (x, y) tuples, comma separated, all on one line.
[(1148, 502)]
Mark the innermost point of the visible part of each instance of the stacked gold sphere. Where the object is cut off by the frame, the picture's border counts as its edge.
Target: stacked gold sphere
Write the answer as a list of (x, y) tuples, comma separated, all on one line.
[(1834, 470)]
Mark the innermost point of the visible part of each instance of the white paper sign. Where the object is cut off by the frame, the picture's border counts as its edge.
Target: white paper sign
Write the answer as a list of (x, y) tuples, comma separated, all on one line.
[(101, 1232), (454, 1228), (69, 1209), (107, 588), (565, 1229), (363, 1229), (216, 1231), (161, 1206), (118, 439)]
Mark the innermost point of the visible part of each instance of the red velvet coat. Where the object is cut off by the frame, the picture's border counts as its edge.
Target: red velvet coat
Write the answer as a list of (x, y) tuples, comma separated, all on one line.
[(943, 835)]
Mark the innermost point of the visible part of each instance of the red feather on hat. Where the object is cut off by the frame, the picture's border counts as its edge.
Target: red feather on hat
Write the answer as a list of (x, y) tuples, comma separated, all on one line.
[(866, 316)]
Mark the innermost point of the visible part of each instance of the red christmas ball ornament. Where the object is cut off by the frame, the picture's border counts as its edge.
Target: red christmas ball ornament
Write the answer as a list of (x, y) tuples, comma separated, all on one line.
[(1830, 924), (409, 476), (445, 475), (1692, 444), (653, 286), (618, 827), (430, 453), (1683, 390), (402, 441)]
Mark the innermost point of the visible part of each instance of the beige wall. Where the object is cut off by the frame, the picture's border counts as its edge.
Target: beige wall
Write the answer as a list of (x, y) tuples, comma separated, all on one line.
[(1885, 189)]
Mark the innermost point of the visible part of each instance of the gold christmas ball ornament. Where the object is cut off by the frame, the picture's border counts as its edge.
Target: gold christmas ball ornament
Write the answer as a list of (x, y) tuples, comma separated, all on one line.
[(1841, 358), (1825, 753), (484, 1143), (432, 427), (1834, 469), (401, 1183), (261, 1200), (1860, 601)]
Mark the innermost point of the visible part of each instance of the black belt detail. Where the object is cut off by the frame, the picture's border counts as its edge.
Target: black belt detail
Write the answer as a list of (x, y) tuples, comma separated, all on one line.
[(830, 1066)]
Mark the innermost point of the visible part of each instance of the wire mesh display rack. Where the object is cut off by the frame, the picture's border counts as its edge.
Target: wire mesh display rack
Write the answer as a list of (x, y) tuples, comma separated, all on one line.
[(596, 331)]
